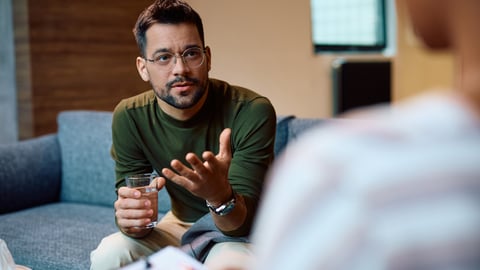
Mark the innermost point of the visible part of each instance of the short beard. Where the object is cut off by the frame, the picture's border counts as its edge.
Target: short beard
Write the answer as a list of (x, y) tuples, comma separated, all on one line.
[(164, 94)]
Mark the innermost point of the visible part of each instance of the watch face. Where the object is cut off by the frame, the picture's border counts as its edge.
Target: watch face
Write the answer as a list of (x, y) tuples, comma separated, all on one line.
[(224, 208)]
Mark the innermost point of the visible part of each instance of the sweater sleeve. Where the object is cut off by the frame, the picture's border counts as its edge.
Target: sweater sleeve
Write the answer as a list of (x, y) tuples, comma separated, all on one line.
[(253, 140), (125, 151)]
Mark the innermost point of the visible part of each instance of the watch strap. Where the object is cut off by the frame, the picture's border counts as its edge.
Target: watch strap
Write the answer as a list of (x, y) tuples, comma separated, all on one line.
[(224, 208)]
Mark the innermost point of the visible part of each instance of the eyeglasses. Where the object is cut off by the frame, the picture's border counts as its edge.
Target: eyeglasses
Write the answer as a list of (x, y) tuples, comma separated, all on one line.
[(192, 57)]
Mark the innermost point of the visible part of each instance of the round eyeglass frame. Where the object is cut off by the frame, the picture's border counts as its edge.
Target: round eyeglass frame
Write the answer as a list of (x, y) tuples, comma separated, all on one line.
[(171, 64)]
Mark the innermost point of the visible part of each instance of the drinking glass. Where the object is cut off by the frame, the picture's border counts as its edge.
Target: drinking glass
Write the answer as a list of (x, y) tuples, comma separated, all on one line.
[(143, 183)]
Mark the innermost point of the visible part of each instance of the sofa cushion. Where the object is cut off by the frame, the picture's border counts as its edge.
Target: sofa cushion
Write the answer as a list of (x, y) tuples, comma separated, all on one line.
[(289, 128), (87, 167), (281, 137), (56, 236), (298, 126), (30, 173)]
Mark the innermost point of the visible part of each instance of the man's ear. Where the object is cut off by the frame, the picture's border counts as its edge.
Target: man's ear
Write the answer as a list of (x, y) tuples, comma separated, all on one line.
[(142, 69), (208, 53)]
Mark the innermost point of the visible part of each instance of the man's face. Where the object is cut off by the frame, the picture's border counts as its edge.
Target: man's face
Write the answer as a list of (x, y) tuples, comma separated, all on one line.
[(178, 85)]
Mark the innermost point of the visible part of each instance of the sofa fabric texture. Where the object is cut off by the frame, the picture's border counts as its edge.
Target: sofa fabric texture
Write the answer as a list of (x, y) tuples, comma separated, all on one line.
[(57, 191), (35, 162), (90, 132)]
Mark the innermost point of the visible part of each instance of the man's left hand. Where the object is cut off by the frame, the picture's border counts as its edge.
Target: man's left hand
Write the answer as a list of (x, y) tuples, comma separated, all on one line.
[(207, 179)]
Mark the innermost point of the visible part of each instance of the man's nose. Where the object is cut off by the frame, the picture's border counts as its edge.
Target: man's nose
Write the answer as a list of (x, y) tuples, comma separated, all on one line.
[(180, 66)]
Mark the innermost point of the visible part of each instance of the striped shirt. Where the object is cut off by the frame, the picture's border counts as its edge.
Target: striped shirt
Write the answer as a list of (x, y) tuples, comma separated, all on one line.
[(398, 188)]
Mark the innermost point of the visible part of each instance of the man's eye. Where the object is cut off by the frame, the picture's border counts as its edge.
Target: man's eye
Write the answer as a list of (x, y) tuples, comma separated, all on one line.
[(191, 54), (163, 58)]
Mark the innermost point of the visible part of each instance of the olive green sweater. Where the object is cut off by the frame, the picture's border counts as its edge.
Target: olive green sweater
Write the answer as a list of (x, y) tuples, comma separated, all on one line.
[(145, 138)]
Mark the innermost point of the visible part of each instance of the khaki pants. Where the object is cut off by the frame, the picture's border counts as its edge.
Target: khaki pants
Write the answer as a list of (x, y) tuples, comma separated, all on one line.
[(117, 250)]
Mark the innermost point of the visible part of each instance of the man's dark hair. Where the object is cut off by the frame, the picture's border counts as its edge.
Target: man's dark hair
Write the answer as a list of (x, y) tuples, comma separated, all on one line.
[(165, 12)]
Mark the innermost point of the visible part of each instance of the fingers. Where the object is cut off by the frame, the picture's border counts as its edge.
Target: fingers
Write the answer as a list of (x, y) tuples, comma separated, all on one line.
[(133, 217), (131, 210), (125, 204), (183, 174), (197, 165), (225, 150), (158, 183), (211, 161), (178, 179), (203, 174), (184, 170), (224, 155), (125, 192)]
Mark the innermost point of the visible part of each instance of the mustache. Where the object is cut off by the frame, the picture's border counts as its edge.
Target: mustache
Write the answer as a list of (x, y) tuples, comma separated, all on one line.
[(180, 79)]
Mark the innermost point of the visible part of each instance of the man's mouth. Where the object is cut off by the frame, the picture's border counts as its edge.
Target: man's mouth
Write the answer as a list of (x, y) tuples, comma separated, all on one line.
[(182, 87), (182, 84)]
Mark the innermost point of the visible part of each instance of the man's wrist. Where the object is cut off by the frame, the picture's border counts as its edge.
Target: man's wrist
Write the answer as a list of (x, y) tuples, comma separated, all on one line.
[(223, 209)]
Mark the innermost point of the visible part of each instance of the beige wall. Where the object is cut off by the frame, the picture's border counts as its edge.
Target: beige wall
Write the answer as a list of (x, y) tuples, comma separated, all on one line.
[(266, 45)]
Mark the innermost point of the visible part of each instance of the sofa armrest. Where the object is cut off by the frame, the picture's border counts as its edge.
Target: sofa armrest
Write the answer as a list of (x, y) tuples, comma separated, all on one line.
[(30, 173)]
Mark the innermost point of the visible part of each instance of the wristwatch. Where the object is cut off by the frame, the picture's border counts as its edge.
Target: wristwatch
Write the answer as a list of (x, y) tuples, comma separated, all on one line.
[(224, 208)]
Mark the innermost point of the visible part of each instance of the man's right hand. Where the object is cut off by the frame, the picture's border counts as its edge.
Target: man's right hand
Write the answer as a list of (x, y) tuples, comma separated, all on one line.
[(133, 212)]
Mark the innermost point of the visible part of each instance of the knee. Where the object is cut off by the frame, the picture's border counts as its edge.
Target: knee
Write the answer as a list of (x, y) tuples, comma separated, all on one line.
[(113, 252), (229, 255)]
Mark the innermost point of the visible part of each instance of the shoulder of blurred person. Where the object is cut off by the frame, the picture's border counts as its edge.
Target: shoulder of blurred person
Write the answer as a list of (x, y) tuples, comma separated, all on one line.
[(369, 190), (390, 187)]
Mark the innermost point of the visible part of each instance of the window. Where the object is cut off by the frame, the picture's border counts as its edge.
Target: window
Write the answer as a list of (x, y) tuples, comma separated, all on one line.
[(348, 25)]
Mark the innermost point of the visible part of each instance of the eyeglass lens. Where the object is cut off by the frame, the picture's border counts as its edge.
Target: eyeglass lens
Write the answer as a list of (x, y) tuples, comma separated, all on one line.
[(193, 57)]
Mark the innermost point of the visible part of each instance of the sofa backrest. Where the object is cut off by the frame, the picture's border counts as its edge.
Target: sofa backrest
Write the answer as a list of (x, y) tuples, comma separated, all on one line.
[(87, 168), (289, 128), (34, 162)]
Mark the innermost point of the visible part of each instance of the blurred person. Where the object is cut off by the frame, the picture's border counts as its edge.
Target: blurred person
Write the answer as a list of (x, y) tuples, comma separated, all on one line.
[(211, 143), (397, 187)]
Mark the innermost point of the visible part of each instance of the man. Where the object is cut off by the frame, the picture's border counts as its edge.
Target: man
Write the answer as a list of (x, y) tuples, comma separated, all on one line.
[(211, 142), (399, 188)]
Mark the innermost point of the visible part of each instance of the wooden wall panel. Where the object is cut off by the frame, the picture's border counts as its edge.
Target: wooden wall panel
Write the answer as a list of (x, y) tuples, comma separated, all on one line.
[(82, 56)]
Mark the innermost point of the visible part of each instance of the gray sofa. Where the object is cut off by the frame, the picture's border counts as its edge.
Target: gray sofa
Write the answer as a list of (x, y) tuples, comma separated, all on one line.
[(57, 190)]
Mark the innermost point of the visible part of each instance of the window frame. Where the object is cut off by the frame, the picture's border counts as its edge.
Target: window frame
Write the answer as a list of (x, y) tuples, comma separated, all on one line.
[(351, 47)]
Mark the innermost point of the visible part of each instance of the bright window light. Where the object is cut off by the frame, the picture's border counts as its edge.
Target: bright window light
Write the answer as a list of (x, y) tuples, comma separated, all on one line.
[(348, 25)]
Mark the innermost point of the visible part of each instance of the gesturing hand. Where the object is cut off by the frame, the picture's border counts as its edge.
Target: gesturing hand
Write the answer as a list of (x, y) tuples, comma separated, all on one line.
[(208, 179)]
